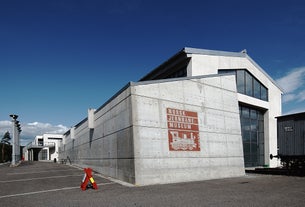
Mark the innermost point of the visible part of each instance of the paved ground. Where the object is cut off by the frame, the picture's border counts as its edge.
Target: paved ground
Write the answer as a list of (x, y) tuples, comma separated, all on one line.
[(51, 184)]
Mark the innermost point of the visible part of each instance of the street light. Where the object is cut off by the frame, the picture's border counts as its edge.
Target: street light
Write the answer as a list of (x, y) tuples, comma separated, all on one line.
[(17, 141), (14, 116), (15, 131)]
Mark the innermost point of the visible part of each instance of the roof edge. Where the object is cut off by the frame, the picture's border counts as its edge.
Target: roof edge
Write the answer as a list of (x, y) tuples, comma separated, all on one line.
[(265, 73), (190, 50), (243, 53), (146, 82)]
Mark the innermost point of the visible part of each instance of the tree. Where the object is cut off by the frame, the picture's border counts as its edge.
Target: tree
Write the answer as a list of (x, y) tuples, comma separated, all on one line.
[(5, 141)]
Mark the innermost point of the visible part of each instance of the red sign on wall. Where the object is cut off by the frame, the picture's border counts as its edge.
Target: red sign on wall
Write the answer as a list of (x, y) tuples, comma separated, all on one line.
[(183, 131)]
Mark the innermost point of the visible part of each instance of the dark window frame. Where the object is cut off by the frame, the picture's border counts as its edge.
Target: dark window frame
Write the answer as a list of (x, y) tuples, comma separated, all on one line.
[(248, 87)]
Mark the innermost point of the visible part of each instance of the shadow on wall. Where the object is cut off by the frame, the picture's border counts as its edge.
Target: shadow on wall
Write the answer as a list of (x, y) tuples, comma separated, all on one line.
[(91, 131)]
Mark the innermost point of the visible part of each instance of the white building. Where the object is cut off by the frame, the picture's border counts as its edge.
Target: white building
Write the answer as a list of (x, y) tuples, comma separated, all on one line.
[(200, 115), (43, 147), (259, 96)]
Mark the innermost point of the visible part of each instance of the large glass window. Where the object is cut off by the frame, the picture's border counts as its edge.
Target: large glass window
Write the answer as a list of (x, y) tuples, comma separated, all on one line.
[(247, 84), (252, 128), (43, 154)]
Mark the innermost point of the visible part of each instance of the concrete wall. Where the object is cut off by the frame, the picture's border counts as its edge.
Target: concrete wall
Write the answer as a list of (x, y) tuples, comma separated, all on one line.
[(215, 101), (108, 147), (130, 140)]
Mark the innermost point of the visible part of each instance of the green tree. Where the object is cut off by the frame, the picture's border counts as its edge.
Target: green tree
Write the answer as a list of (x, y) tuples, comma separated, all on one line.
[(5, 141)]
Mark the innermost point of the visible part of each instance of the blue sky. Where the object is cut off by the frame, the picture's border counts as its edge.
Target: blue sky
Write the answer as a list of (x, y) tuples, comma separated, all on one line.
[(60, 57)]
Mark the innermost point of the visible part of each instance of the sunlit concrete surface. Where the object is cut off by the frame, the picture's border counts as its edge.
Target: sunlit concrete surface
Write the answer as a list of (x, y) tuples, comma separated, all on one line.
[(52, 184)]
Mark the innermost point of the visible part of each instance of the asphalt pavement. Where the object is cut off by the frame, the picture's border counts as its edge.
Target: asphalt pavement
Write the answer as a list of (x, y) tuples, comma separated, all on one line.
[(53, 184)]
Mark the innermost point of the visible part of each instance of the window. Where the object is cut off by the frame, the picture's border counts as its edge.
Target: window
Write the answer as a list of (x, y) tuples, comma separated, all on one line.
[(264, 93), (256, 89), (252, 130), (44, 154), (240, 79), (40, 142), (247, 84)]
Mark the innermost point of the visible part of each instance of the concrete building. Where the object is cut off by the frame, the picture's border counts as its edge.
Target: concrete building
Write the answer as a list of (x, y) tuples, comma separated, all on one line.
[(259, 96), (200, 115), (43, 147)]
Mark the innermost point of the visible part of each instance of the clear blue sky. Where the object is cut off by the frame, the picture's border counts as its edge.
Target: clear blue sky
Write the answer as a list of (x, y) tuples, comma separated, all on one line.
[(60, 57)]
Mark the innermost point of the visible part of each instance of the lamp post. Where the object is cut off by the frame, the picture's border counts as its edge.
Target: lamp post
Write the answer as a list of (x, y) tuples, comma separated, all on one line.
[(20, 155), (17, 141), (14, 132)]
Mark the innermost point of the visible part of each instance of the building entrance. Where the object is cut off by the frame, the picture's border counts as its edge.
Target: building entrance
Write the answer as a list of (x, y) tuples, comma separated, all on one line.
[(252, 129)]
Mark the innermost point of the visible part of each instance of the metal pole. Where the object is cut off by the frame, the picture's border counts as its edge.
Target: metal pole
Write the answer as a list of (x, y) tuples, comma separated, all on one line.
[(17, 150), (17, 142), (14, 143), (14, 132)]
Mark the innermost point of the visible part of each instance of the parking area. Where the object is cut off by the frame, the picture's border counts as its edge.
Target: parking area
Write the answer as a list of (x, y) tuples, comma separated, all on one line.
[(53, 184)]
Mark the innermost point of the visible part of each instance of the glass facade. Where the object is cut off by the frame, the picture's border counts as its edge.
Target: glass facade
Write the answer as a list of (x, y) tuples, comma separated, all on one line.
[(251, 119), (43, 154), (250, 86), (252, 129), (247, 84)]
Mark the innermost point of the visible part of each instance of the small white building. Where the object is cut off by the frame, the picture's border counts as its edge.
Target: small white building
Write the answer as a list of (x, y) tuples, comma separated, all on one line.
[(43, 147)]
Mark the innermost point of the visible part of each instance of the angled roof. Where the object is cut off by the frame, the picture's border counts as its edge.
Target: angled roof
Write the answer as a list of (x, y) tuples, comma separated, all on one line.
[(182, 54)]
